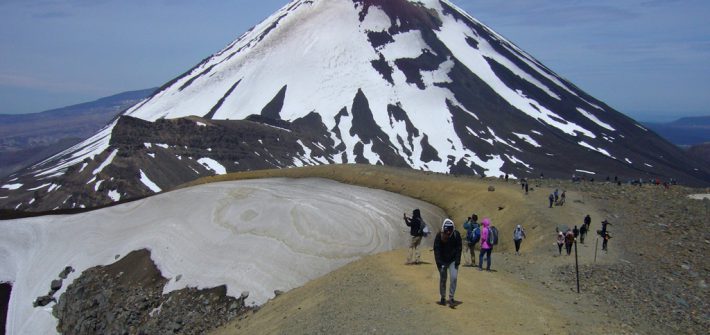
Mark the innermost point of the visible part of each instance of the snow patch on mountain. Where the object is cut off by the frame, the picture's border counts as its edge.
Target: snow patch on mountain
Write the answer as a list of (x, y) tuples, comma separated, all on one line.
[(149, 183), (212, 165), (113, 194), (595, 119), (529, 139), (11, 186), (106, 162), (600, 150), (39, 187)]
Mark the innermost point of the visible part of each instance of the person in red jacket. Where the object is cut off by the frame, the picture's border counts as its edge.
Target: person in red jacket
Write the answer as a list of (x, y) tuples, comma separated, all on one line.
[(447, 252)]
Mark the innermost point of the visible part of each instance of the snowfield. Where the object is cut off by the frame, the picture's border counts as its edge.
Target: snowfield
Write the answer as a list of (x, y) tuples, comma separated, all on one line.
[(256, 236)]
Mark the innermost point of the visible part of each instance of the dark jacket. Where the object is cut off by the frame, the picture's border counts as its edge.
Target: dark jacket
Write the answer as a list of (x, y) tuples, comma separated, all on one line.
[(448, 252), (414, 224)]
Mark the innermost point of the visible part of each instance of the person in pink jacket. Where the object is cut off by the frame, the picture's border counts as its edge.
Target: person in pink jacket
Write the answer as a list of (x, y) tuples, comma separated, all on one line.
[(486, 248)]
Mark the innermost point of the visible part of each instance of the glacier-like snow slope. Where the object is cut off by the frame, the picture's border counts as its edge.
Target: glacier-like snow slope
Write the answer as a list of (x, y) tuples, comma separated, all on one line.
[(256, 236), (319, 51)]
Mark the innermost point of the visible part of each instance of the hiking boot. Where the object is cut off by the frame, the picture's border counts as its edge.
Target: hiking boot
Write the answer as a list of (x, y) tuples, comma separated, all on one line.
[(442, 302), (453, 302)]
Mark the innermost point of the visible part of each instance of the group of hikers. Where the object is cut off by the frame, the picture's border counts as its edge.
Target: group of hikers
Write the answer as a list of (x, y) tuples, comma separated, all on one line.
[(450, 246), (556, 198)]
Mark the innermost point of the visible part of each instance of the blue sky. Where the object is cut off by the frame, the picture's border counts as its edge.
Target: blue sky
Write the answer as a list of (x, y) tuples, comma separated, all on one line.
[(649, 59)]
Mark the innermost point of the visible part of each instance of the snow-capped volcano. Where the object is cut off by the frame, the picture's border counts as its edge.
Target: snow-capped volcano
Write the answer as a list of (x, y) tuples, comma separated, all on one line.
[(417, 84)]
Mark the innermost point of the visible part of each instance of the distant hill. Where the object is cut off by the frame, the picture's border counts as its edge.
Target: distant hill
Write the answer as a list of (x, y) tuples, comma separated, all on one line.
[(28, 138), (684, 131), (700, 151)]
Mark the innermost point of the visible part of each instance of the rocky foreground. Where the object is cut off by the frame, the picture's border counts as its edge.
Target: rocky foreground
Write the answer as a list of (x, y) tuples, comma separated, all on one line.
[(127, 298), (659, 285)]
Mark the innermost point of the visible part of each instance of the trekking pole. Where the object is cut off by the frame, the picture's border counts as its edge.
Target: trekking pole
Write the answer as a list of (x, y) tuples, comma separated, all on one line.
[(576, 263), (596, 245)]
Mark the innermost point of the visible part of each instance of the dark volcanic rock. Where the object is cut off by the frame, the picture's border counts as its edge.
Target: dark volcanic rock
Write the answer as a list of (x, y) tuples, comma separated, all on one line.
[(5, 290), (126, 298)]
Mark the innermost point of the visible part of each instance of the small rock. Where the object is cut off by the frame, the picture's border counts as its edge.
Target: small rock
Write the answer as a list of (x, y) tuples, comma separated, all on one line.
[(278, 293), (56, 285), (67, 270), (244, 295), (43, 301), (491, 188), (177, 278)]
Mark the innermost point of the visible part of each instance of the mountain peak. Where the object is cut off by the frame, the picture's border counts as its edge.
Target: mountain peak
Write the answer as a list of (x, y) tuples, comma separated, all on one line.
[(420, 84)]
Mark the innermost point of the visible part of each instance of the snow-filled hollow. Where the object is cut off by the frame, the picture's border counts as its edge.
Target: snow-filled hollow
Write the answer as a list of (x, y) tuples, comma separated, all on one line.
[(213, 165), (256, 236)]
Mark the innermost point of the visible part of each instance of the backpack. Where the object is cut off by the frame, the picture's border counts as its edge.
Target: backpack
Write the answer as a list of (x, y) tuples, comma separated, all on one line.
[(473, 235), (422, 228), (492, 236)]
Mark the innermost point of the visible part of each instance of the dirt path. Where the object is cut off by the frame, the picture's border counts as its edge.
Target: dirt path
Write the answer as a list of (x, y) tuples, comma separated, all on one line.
[(524, 294)]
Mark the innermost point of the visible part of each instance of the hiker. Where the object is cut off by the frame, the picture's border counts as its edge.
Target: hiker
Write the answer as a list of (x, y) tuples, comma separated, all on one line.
[(575, 231), (563, 197), (604, 224), (486, 246), (447, 252), (526, 187), (560, 241), (569, 240), (587, 221), (552, 199), (416, 230), (557, 196), (582, 233), (473, 234), (522, 184), (518, 236), (605, 240)]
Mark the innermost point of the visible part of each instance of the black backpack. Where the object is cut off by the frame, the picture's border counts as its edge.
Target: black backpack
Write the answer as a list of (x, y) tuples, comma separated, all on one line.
[(492, 235), (422, 225)]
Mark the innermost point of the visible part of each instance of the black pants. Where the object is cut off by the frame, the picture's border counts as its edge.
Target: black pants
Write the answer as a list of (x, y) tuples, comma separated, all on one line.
[(559, 246), (487, 254), (604, 244), (569, 248), (517, 245)]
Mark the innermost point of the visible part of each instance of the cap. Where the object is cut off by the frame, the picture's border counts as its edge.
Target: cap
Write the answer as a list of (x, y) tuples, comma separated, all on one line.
[(447, 225)]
